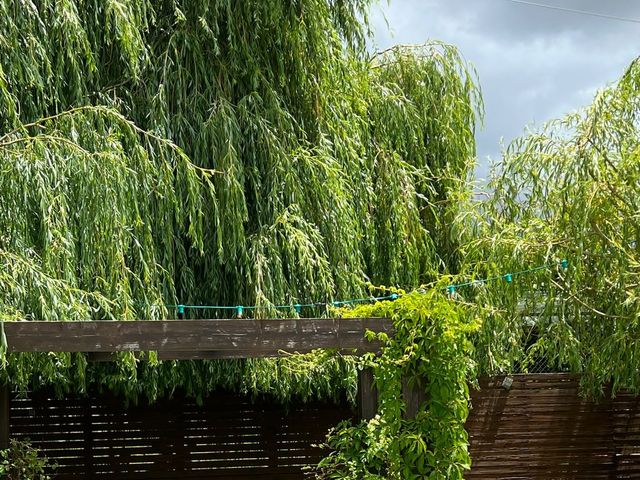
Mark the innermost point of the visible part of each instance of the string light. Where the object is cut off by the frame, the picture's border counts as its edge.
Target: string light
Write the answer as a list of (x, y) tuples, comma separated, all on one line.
[(239, 309), (508, 277), (451, 290)]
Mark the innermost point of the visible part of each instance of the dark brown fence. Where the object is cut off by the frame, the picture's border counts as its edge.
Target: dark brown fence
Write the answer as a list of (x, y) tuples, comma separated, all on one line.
[(228, 437), (542, 429), (538, 429)]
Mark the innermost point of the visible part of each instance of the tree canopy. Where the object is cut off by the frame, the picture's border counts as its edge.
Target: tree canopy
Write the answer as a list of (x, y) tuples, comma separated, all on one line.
[(567, 191), (158, 152), (222, 153)]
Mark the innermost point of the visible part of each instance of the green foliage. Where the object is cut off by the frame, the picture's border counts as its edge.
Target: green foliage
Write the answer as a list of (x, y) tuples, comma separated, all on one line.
[(569, 191), (92, 210), (319, 375), (158, 152), (433, 352), (22, 462)]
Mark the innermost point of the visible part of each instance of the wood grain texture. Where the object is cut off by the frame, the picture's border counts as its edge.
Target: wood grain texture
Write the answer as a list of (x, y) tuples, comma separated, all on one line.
[(367, 395), (186, 339), (542, 428), (413, 393)]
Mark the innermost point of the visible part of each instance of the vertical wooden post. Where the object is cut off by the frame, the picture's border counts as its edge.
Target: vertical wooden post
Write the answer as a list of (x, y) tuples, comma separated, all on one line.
[(4, 416), (413, 396), (367, 395), (180, 451)]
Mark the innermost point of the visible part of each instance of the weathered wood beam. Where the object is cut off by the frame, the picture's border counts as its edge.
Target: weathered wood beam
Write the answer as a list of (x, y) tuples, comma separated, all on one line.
[(239, 338), (414, 396), (98, 357)]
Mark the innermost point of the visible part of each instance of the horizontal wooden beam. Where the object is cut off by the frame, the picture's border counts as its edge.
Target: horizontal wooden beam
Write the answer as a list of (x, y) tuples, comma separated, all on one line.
[(98, 357), (192, 339)]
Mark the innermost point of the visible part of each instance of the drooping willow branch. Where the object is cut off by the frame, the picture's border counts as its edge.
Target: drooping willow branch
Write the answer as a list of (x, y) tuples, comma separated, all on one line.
[(233, 153), (570, 191)]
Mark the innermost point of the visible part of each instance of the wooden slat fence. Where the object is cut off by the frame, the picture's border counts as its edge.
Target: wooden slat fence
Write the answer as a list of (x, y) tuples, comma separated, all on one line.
[(228, 437), (542, 429), (538, 429)]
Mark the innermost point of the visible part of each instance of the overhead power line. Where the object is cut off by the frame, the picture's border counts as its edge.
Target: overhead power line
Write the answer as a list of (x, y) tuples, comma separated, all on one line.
[(581, 12)]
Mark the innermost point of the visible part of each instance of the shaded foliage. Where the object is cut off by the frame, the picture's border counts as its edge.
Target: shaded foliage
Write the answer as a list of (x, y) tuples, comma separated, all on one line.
[(21, 461)]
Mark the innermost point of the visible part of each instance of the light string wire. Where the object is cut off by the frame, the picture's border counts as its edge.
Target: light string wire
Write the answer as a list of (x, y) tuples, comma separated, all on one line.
[(450, 289)]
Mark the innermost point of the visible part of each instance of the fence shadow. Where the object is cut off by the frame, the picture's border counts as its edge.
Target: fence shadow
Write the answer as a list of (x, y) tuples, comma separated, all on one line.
[(541, 428)]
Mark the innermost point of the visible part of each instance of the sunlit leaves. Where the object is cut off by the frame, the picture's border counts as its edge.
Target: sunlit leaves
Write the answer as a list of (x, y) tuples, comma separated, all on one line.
[(431, 351)]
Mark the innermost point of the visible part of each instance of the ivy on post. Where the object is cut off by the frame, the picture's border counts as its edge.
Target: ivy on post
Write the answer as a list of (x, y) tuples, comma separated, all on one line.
[(413, 393), (429, 357), (367, 394)]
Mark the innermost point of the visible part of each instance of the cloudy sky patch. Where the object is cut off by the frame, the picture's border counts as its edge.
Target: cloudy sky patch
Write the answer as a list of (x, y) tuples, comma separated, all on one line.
[(534, 63)]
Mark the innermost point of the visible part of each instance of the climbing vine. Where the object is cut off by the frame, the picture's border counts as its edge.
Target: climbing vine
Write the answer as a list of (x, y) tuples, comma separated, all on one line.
[(432, 352)]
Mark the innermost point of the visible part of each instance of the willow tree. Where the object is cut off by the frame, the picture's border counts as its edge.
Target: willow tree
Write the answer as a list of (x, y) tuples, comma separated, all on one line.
[(569, 191), (255, 153)]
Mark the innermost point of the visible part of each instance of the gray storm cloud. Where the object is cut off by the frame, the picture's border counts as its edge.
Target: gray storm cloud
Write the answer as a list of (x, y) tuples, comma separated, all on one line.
[(534, 63)]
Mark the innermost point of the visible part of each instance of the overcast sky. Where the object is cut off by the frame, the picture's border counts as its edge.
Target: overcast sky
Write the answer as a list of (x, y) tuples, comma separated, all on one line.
[(534, 63)]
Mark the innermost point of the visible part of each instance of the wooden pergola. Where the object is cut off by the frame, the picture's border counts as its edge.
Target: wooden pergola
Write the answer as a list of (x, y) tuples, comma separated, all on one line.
[(199, 339)]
